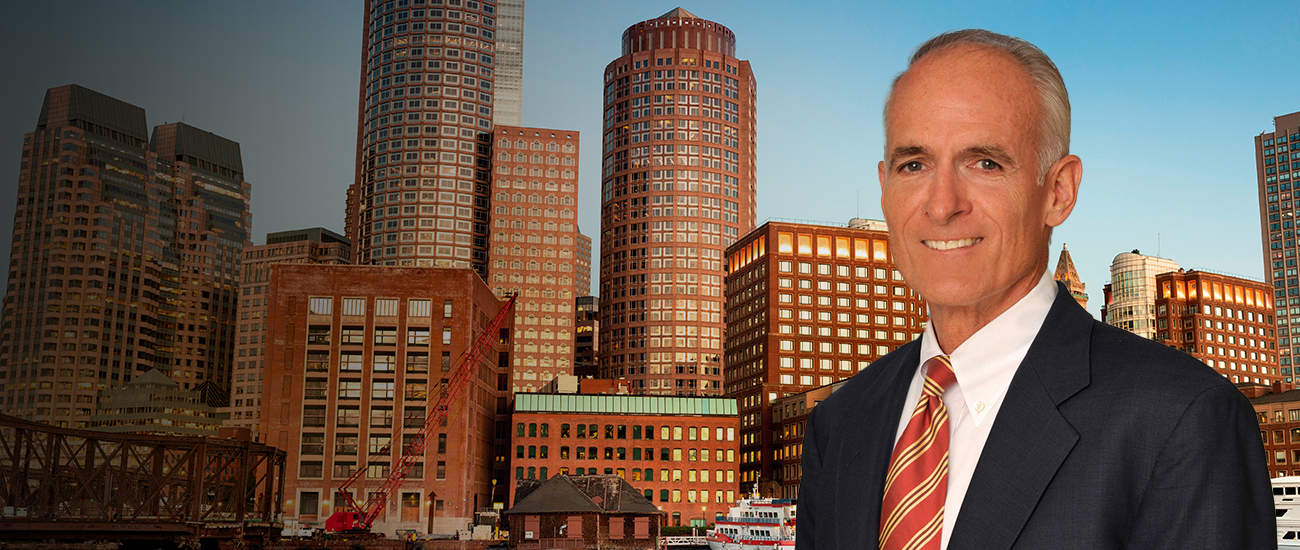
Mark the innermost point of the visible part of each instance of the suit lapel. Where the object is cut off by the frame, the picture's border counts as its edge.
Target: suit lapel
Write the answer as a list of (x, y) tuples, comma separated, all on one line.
[(868, 444), (1029, 439)]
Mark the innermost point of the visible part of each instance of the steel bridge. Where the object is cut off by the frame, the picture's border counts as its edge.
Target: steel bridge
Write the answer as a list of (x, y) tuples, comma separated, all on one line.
[(67, 484)]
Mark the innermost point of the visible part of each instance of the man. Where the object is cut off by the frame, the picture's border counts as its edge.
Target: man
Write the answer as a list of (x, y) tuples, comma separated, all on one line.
[(1016, 420)]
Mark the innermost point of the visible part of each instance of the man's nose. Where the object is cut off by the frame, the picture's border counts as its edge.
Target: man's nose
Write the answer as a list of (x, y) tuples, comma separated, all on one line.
[(946, 196)]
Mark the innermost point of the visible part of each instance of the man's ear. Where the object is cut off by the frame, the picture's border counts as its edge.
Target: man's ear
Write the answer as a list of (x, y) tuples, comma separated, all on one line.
[(1062, 183)]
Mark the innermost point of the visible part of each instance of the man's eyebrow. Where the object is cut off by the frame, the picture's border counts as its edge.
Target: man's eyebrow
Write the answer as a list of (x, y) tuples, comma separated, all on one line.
[(994, 152), (906, 151)]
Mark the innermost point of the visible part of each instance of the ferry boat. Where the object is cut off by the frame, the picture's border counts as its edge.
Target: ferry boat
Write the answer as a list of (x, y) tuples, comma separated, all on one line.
[(1286, 499), (755, 524)]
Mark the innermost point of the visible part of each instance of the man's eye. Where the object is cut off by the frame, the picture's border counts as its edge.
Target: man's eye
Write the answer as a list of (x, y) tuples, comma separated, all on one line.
[(913, 166), (987, 164)]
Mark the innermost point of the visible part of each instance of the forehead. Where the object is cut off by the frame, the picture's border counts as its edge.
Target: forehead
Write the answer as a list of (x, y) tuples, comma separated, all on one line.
[(959, 91)]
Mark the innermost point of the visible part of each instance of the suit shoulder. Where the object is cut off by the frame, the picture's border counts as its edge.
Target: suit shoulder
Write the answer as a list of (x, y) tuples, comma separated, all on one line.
[(1120, 356)]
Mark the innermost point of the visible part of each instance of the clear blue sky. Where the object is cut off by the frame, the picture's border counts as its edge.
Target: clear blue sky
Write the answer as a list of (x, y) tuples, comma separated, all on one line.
[(1166, 98)]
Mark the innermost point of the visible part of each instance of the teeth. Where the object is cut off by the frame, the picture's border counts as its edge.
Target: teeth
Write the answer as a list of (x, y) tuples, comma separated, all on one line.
[(949, 245)]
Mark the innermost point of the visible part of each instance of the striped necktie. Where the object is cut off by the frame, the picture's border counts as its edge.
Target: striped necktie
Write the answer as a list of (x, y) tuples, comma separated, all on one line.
[(911, 514)]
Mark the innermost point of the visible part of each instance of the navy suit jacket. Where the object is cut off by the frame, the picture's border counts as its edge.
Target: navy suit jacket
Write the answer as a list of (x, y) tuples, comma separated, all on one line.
[(1104, 440)]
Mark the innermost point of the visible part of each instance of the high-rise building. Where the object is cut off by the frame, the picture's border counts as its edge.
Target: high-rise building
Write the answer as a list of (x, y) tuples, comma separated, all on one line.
[(125, 257), (507, 107), (587, 340), (1222, 320), (1277, 159), (1067, 274), (421, 192), (316, 245), (677, 187), (534, 246), (584, 264), (1131, 295), (356, 357), (807, 306)]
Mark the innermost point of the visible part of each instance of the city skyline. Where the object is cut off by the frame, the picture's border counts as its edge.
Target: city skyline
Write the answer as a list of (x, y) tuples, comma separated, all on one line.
[(281, 80)]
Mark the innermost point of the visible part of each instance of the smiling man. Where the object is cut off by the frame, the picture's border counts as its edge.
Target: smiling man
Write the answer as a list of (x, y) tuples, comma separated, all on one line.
[(1016, 420)]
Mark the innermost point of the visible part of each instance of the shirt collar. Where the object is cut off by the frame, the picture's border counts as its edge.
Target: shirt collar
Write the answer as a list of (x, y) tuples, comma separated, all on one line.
[(985, 362)]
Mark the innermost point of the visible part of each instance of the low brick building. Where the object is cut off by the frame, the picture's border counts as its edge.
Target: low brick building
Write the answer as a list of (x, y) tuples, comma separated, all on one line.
[(679, 452), (600, 511), (1226, 322), (1279, 428), (789, 419), (356, 357)]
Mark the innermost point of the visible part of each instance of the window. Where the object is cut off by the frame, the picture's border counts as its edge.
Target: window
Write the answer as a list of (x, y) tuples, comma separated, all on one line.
[(313, 416), (354, 306), (313, 444), (320, 305), (416, 308), (385, 336), (417, 336), (385, 307), (446, 309)]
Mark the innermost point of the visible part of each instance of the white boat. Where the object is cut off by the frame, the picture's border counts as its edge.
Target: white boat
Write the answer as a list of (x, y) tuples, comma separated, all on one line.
[(1286, 499), (755, 524)]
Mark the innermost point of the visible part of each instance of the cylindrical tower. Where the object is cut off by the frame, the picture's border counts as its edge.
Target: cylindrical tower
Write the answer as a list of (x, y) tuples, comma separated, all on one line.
[(677, 187), (424, 126)]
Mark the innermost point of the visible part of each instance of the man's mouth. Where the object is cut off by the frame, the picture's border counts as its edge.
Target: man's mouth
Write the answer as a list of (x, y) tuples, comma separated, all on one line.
[(954, 244)]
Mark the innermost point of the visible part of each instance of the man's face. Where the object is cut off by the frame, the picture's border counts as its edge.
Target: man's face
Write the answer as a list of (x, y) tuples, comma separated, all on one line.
[(968, 220)]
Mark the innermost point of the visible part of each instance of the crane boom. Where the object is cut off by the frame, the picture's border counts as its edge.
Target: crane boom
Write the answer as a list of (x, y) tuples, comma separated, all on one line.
[(463, 374)]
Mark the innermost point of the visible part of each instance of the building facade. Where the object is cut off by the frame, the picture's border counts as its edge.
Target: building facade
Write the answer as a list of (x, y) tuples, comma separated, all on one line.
[(1131, 294), (807, 306), (421, 192), (1069, 276), (356, 356), (677, 187), (584, 264), (1225, 321), (1277, 159), (789, 421), (1279, 428), (534, 246), (508, 102), (304, 246), (125, 257), (680, 452), (587, 341)]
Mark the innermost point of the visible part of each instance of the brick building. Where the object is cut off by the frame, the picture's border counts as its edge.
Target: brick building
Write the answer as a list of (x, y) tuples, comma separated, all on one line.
[(1222, 320), (1279, 428), (534, 246), (807, 305), (789, 419), (680, 452), (1277, 167), (590, 511), (125, 257), (678, 179), (355, 357), (304, 246)]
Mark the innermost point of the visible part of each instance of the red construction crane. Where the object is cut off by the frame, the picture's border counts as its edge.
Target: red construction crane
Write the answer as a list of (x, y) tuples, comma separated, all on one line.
[(360, 517)]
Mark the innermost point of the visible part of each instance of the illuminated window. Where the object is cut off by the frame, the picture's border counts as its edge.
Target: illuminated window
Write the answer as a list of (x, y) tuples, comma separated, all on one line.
[(860, 249), (842, 247), (823, 246), (880, 250), (805, 244)]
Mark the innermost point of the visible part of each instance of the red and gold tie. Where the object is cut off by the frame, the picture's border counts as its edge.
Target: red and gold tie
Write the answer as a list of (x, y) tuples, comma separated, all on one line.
[(911, 515)]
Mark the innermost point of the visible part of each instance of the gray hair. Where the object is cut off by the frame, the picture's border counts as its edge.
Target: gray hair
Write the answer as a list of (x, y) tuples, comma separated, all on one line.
[(1054, 101)]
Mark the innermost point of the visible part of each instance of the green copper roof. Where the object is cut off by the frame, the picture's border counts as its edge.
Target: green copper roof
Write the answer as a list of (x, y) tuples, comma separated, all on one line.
[(625, 404)]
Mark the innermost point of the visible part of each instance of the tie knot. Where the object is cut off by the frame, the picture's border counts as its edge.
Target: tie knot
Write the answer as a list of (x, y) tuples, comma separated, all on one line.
[(938, 375)]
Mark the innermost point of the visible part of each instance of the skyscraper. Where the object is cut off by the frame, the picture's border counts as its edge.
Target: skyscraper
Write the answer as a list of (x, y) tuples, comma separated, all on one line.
[(508, 105), (125, 257), (534, 248), (677, 188), (420, 195), (1277, 154)]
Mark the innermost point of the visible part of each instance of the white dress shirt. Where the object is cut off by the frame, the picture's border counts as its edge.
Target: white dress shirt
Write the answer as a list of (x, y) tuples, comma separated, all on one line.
[(984, 365)]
